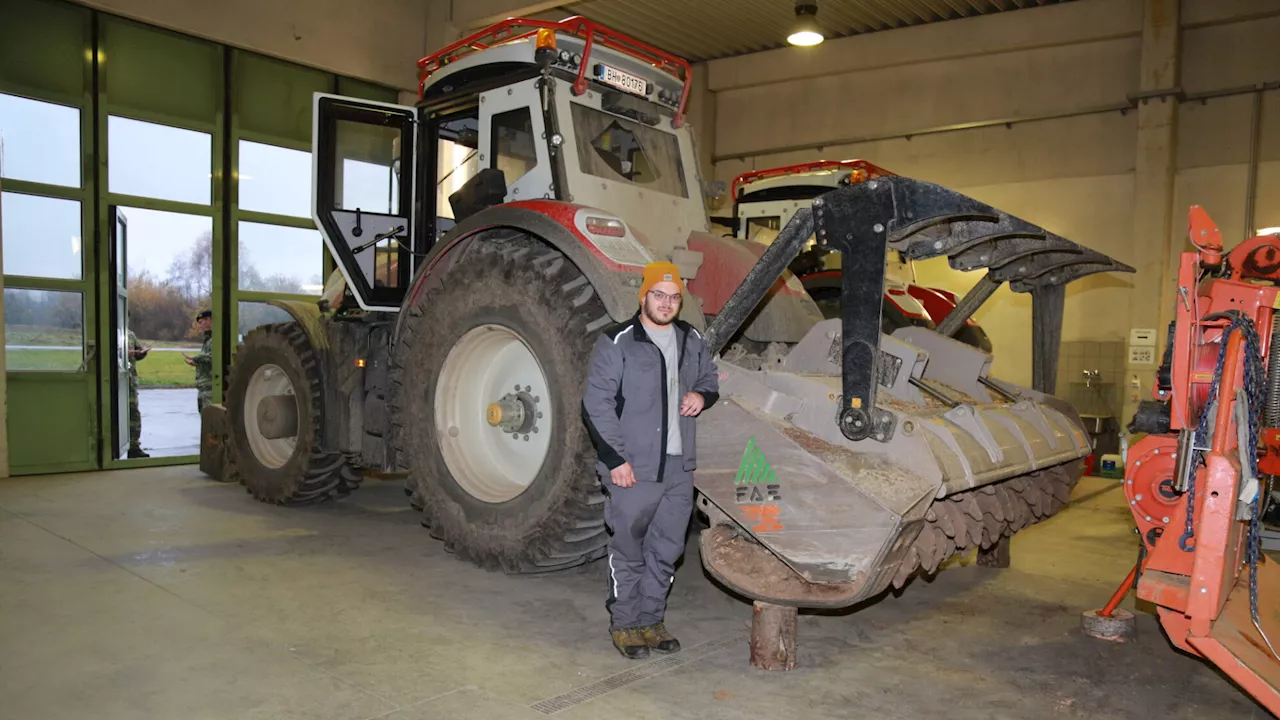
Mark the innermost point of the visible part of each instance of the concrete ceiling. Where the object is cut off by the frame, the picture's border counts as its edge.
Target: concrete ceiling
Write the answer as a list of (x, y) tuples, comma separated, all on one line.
[(709, 29)]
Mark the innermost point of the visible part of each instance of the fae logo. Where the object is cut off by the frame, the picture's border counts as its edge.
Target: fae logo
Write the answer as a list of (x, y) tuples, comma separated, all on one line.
[(755, 481)]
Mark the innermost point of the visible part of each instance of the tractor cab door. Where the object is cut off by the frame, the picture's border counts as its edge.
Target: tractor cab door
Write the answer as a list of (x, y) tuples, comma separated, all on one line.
[(363, 174)]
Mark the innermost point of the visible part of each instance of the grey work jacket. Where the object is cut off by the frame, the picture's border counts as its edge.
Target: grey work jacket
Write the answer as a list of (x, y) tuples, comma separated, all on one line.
[(625, 403)]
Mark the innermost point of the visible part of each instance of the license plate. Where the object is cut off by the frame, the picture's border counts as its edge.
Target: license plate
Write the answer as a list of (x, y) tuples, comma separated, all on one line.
[(621, 80)]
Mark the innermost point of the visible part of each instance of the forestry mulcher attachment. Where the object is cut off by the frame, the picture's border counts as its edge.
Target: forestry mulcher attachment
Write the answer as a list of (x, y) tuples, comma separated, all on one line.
[(488, 235), (861, 458)]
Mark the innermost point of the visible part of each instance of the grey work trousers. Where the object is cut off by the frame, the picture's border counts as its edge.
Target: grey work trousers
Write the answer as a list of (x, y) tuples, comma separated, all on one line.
[(649, 521)]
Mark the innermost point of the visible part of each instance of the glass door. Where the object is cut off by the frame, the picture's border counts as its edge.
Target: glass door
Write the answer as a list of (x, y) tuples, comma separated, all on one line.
[(124, 391)]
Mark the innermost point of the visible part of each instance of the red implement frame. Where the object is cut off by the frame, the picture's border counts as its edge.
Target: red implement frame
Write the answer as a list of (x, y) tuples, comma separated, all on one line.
[(1202, 593), (592, 33), (868, 171)]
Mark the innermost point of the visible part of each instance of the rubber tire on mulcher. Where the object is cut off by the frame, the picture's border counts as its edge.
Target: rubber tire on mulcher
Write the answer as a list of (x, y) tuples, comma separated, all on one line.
[(313, 473), (519, 282)]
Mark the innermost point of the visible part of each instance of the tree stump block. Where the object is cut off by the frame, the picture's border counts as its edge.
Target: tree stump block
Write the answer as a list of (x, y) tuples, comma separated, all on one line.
[(996, 556), (773, 636)]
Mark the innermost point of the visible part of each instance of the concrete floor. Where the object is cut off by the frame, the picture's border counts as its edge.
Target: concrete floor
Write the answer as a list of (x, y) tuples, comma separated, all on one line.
[(159, 594)]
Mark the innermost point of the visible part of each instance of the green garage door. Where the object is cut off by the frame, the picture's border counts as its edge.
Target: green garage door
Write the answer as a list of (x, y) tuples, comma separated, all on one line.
[(46, 209)]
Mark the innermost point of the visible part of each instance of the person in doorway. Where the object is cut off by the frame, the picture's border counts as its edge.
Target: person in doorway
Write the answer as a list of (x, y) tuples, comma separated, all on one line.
[(649, 378), (203, 363), (136, 352)]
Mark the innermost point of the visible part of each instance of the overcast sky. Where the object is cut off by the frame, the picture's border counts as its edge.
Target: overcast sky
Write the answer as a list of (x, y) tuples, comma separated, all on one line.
[(42, 236)]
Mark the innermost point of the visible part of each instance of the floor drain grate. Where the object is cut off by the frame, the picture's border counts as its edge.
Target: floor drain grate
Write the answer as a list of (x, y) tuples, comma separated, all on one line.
[(551, 706)]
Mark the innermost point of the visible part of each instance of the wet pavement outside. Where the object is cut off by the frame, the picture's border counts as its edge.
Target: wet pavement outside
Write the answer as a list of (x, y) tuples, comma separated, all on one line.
[(170, 421)]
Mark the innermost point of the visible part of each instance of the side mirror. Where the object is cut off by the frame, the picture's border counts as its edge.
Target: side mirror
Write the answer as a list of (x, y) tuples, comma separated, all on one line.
[(485, 189)]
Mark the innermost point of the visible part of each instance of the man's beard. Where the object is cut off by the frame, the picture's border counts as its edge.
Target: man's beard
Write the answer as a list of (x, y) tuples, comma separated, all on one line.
[(653, 314)]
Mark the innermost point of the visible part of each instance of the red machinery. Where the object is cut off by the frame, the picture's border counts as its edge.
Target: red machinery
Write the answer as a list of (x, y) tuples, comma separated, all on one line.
[(1196, 484)]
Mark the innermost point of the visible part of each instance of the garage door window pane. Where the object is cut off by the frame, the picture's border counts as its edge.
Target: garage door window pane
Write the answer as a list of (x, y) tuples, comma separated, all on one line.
[(281, 259), (44, 330), (158, 161), (41, 236), (275, 179), (41, 141)]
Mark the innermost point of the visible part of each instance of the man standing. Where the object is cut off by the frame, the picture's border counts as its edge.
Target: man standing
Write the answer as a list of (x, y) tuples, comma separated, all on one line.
[(649, 378), (203, 363), (136, 353)]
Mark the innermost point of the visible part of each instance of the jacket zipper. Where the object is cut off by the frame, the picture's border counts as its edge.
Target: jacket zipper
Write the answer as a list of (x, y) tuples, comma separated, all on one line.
[(662, 457)]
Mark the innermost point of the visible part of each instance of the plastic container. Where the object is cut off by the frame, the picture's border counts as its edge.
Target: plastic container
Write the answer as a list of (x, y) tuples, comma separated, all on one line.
[(1111, 466)]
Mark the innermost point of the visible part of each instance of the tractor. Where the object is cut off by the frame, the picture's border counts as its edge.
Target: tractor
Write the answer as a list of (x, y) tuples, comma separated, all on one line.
[(486, 236), (764, 201)]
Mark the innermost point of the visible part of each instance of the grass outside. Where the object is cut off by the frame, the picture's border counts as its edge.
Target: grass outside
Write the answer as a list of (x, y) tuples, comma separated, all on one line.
[(47, 360), (157, 369), (160, 368), (165, 369)]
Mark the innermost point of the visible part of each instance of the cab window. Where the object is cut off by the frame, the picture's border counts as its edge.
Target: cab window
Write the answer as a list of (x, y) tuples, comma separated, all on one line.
[(619, 149), (457, 160)]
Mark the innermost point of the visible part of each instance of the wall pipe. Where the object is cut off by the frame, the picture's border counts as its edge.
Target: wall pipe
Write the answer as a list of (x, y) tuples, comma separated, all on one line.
[(1130, 104), (1251, 188)]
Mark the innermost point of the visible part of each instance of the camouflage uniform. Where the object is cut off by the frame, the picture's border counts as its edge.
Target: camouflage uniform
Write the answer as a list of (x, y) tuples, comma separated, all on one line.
[(204, 373), (135, 417)]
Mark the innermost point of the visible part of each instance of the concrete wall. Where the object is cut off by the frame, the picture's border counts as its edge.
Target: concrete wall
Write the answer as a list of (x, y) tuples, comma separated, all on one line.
[(375, 40), (1065, 72)]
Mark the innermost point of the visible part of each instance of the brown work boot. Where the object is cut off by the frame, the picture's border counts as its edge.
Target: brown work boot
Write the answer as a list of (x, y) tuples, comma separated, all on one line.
[(630, 643), (658, 639)]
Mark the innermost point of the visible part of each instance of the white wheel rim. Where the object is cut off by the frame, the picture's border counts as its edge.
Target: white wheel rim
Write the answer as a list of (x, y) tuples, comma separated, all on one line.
[(266, 381), (488, 363)]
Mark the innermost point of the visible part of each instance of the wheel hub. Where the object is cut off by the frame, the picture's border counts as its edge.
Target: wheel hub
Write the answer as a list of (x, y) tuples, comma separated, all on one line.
[(278, 416), (515, 413), (493, 412), (271, 416)]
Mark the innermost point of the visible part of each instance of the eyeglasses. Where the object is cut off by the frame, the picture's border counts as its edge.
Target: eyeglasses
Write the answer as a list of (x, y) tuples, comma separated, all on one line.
[(662, 297)]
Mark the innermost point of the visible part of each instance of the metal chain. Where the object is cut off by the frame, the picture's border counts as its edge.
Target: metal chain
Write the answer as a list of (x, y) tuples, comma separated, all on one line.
[(1255, 391)]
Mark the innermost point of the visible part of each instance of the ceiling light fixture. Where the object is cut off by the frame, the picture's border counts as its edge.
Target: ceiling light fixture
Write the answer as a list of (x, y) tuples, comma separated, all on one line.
[(805, 32)]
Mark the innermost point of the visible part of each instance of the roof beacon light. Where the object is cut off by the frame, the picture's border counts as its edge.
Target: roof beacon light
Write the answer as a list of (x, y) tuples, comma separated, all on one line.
[(544, 48), (805, 32), (546, 39)]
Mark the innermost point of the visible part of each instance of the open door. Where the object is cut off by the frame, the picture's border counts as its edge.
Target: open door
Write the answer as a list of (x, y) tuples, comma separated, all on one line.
[(363, 175), (120, 332)]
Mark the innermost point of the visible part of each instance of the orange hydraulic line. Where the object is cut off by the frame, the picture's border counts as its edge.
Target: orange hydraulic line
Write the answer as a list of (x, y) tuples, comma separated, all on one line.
[(1230, 373), (1123, 590)]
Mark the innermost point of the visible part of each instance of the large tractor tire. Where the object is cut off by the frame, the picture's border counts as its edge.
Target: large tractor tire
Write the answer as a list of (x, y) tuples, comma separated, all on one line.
[(274, 409), (486, 392)]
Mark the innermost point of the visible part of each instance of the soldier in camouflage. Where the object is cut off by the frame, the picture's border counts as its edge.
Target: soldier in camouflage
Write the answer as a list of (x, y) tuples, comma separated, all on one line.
[(203, 363), (136, 352)]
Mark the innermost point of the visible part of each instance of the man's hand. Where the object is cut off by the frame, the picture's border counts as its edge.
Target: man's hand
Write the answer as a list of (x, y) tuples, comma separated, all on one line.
[(692, 404), (623, 476), (188, 360)]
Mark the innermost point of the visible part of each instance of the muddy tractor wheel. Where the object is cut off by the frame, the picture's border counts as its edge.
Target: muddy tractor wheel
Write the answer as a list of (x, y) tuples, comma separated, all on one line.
[(275, 442), (487, 379)]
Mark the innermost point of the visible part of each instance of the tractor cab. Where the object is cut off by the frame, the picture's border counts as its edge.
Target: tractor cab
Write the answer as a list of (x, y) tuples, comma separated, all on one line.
[(525, 111), (764, 201)]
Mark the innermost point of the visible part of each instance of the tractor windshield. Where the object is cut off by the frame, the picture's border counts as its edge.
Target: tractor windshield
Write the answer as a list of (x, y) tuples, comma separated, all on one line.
[(615, 148)]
